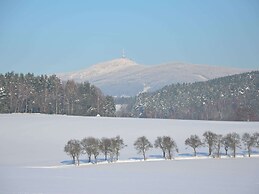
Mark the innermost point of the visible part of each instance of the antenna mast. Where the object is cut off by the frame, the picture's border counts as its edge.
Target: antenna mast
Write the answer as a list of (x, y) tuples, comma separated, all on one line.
[(123, 54)]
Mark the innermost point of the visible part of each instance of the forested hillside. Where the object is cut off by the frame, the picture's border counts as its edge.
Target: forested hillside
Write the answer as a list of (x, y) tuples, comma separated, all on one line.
[(229, 98), (27, 93)]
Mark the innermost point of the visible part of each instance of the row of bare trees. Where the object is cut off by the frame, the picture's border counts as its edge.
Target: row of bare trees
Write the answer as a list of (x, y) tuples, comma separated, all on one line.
[(230, 141), (213, 141), (111, 147), (165, 143), (92, 147)]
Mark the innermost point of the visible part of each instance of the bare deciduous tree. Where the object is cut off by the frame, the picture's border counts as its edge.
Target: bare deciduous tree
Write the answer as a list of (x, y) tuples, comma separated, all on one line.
[(159, 144), (209, 140), (117, 144), (96, 148), (105, 146), (73, 149), (225, 141), (166, 144), (142, 144), (256, 137), (218, 143), (89, 146), (170, 146), (249, 141), (193, 141), (234, 142), (71, 93)]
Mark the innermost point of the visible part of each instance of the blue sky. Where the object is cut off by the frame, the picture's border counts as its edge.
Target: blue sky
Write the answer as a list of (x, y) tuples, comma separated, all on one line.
[(51, 36)]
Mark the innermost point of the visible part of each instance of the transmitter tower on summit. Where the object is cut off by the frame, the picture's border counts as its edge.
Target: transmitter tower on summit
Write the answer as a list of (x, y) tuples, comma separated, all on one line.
[(123, 54)]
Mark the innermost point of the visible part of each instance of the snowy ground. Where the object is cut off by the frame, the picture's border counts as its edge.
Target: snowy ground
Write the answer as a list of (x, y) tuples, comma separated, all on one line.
[(32, 158)]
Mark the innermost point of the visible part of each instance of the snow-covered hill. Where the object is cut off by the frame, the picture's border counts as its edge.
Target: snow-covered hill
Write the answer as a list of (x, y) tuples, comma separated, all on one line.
[(31, 142), (125, 77), (40, 138)]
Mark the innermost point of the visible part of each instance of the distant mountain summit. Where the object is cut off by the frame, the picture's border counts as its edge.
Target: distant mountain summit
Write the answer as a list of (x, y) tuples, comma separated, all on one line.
[(123, 76), (108, 67)]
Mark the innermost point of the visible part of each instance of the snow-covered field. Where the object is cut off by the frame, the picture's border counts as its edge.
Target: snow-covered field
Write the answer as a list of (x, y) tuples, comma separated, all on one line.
[(32, 158)]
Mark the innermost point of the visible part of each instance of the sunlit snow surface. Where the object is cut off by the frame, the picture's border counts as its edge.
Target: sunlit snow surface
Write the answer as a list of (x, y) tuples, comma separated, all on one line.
[(32, 158)]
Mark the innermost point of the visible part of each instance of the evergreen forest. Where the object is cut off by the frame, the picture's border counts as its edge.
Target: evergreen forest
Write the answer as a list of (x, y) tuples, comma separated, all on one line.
[(27, 93), (230, 98), (234, 98)]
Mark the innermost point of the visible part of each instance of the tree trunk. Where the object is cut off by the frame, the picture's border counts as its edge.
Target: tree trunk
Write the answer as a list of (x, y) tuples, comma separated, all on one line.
[(56, 105), (218, 152), (68, 107), (234, 152), (194, 151), (117, 155), (89, 159), (144, 155), (164, 154), (72, 108), (78, 161), (210, 150), (169, 155), (26, 105), (249, 151)]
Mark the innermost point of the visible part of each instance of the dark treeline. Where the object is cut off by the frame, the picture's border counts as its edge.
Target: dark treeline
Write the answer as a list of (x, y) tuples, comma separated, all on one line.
[(228, 98), (27, 93)]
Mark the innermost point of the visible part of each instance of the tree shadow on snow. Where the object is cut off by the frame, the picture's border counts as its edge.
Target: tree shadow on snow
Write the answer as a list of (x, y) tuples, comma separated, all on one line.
[(192, 155), (136, 158), (185, 155), (70, 162), (156, 156), (148, 157), (253, 152), (202, 154), (86, 161), (67, 162)]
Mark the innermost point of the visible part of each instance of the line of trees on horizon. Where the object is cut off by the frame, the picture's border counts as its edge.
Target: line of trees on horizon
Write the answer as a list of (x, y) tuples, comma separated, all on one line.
[(234, 98), (111, 147), (27, 93)]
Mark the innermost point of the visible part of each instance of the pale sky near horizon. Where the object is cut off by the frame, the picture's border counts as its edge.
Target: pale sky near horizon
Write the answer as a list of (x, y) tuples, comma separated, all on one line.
[(51, 36)]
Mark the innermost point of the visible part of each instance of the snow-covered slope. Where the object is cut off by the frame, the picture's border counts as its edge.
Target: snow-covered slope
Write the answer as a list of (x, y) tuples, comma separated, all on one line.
[(36, 139), (125, 77), (29, 142), (226, 176), (102, 69)]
